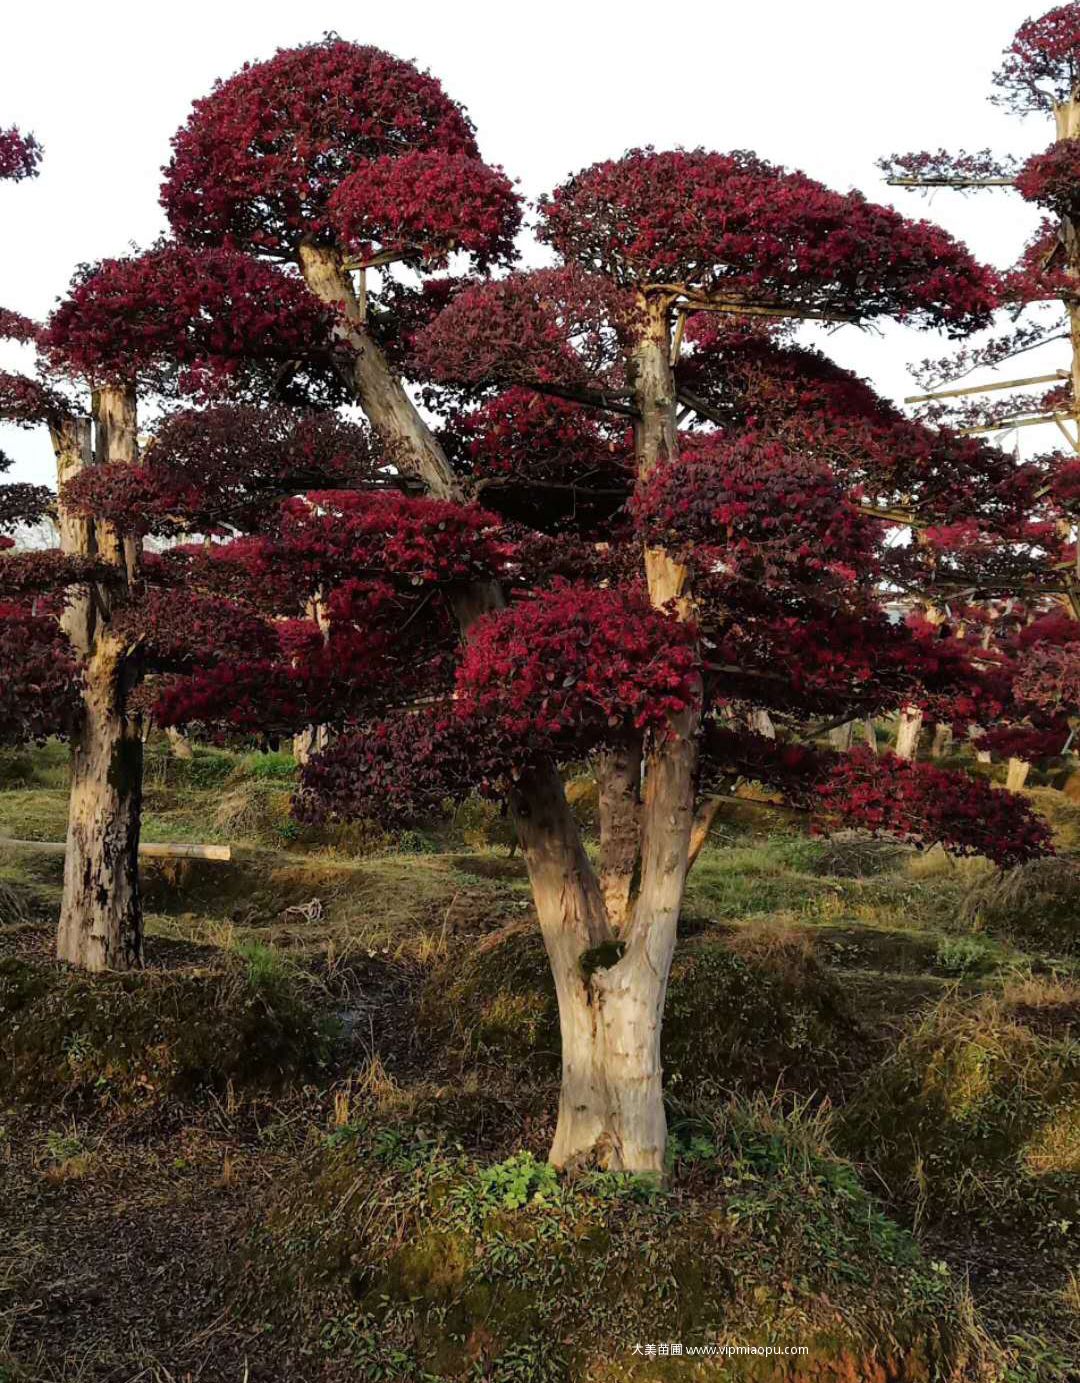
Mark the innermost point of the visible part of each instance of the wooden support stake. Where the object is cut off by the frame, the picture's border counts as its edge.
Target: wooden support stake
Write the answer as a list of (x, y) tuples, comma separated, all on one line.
[(150, 849), (950, 182), (988, 388)]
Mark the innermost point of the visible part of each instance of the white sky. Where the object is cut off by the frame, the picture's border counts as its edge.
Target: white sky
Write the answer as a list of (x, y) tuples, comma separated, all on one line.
[(826, 87)]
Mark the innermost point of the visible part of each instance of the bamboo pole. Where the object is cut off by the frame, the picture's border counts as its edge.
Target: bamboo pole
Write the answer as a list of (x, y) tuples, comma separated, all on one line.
[(219, 853), (988, 388)]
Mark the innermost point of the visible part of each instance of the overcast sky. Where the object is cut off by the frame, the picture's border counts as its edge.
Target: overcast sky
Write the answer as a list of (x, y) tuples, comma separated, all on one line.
[(827, 88)]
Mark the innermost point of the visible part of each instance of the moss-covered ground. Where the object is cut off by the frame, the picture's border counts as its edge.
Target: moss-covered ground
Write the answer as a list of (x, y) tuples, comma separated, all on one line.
[(307, 1141)]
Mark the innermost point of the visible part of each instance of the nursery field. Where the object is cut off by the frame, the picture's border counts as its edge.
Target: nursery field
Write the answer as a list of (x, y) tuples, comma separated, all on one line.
[(307, 1141)]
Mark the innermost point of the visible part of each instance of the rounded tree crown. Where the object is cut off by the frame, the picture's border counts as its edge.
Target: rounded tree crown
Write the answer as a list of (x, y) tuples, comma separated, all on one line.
[(258, 159), (732, 227), (183, 319)]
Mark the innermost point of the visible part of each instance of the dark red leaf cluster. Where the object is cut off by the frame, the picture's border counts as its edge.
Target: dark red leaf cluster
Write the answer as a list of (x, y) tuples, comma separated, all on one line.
[(27, 402), (905, 799), (15, 327), (423, 206), (942, 165), (577, 665), (22, 503), (548, 327), (733, 225), (259, 158), (39, 678), (177, 628), (326, 537), (400, 771), (48, 571), (20, 155), (226, 467), (1052, 179), (754, 508)]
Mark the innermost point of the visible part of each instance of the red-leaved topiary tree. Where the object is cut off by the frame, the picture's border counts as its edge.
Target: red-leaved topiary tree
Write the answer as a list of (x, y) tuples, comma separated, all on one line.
[(169, 323), (619, 588)]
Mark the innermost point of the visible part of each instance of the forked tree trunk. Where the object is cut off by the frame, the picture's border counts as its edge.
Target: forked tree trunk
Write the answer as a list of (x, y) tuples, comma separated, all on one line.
[(614, 1112), (100, 912), (908, 731), (610, 990)]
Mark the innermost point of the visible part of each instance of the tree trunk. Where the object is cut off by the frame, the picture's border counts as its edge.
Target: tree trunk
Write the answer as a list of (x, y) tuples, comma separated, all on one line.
[(760, 721), (618, 776), (100, 912), (841, 737), (610, 1106), (704, 820), (1017, 774), (379, 390), (943, 738), (908, 730), (871, 734)]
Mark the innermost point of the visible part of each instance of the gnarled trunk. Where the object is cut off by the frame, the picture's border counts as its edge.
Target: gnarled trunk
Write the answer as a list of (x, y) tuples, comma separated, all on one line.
[(100, 912)]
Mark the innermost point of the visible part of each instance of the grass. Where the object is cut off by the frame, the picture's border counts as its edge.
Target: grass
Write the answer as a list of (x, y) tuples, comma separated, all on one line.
[(330, 1094)]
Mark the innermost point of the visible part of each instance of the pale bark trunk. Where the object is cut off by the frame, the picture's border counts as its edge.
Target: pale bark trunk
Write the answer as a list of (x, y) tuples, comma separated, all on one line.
[(908, 730), (871, 734), (704, 820), (379, 391), (100, 924), (760, 721), (1017, 774), (618, 777), (101, 914), (610, 1107), (943, 738), (841, 737)]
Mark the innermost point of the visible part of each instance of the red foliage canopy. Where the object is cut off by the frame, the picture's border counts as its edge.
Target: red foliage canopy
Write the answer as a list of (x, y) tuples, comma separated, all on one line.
[(28, 403), (736, 227), (39, 677), (15, 327), (911, 801), (401, 770), (1042, 64), (754, 508), (259, 157), (423, 205), (224, 467), (577, 666), (187, 321), (20, 155), (1052, 179), (546, 327)]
